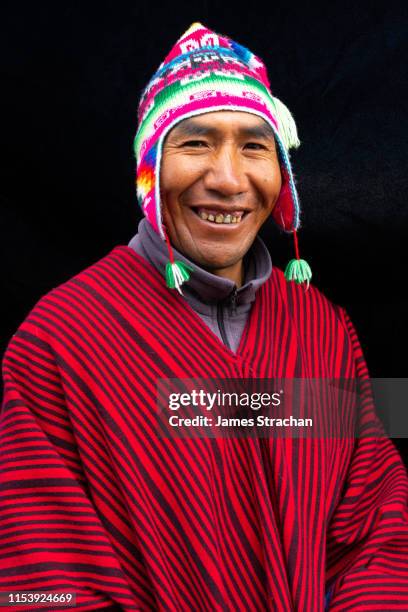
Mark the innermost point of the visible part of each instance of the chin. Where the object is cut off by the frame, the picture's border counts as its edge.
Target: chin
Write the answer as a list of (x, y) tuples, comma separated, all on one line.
[(217, 261)]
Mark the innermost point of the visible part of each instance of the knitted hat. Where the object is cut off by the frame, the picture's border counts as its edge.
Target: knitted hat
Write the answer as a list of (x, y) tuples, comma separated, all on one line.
[(206, 72)]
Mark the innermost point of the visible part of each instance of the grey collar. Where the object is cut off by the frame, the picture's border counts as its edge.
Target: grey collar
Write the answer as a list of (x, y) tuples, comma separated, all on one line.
[(204, 289)]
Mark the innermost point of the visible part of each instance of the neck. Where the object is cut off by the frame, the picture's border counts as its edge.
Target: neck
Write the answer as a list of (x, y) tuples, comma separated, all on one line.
[(234, 273), (203, 283)]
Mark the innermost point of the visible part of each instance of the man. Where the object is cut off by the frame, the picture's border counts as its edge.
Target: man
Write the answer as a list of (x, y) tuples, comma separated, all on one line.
[(95, 501)]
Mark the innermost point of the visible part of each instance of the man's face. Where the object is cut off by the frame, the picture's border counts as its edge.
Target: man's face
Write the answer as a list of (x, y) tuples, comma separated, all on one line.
[(224, 166)]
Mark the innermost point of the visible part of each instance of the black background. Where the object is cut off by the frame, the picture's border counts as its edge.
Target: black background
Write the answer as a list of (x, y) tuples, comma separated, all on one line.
[(71, 77)]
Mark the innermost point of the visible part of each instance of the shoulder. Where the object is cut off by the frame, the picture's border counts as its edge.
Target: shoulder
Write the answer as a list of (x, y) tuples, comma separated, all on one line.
[(306, 303), (85, 298), (315, 316), (319, 326)]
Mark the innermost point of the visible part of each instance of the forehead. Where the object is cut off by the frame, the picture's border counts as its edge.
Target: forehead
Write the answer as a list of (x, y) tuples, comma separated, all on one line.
[(224, 123)]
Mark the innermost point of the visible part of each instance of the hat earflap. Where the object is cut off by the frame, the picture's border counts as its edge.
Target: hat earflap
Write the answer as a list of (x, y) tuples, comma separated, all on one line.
[(297, 269)]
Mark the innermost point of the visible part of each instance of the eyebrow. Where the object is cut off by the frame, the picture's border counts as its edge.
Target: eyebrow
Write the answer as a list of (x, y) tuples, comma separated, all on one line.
[(188, 128)]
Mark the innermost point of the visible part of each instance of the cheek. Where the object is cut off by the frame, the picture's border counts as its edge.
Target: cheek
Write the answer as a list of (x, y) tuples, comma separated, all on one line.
[(275, 184), (169, 178), (177, 174), (269, 185)]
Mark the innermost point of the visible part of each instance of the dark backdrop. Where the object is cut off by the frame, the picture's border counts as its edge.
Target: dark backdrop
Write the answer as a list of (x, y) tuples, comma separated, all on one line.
[(71, 76)]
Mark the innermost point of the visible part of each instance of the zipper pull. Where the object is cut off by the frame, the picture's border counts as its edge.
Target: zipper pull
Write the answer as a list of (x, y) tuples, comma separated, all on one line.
[(233, 301)]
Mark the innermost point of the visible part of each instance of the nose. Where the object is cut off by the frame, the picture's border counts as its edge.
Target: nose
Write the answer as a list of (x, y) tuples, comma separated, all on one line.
[(225, 173)]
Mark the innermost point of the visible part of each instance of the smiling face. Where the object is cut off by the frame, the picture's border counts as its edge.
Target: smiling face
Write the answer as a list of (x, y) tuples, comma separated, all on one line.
[(220, 179)]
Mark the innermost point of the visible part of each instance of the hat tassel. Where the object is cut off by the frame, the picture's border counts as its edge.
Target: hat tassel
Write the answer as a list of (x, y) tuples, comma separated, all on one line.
[(177, 272), (298, 269)]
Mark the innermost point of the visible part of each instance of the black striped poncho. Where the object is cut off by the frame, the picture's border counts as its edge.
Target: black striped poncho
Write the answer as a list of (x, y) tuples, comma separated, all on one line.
[(94, 502)]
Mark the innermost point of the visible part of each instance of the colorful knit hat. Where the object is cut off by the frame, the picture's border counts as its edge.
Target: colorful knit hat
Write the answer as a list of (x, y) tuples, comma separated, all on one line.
[(206, 72)]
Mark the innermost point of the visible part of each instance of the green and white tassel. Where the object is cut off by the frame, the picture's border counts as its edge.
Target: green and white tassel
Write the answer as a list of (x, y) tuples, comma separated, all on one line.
[(298, 270), (287, 125), (177, 272)]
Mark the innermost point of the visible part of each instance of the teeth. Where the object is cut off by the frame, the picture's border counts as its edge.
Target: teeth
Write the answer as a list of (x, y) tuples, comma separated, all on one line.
[(235, 217)]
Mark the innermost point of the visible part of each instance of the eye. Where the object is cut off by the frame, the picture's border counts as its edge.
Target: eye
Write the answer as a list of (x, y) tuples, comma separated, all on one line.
[(255, 146), (194, 143)]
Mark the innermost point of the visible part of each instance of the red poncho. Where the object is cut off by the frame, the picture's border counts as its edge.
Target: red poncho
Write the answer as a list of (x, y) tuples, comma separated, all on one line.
[(93, 501)]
